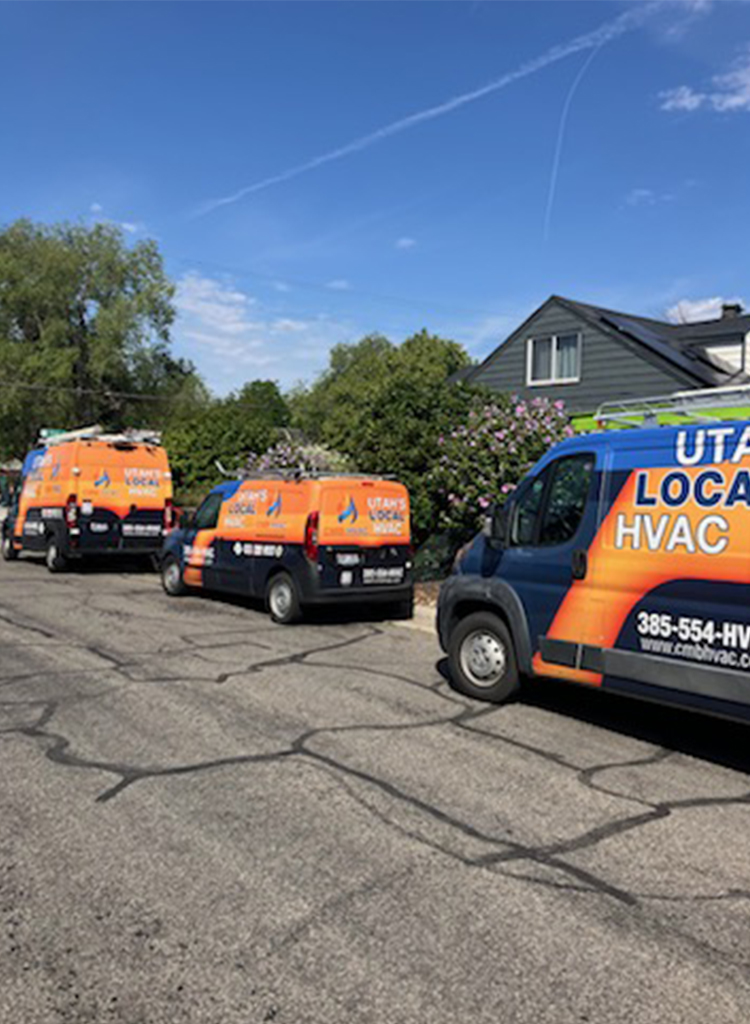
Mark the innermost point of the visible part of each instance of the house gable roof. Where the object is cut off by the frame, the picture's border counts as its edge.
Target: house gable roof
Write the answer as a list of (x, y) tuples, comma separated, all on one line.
[(680, 345)]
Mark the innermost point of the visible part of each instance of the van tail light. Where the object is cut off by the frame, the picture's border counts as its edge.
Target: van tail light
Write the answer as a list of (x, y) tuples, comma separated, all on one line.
[(311, 536), (168, 515), (71, 511)]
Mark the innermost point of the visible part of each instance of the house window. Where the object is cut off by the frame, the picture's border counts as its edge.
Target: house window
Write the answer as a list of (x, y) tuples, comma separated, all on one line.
[(555, 359)]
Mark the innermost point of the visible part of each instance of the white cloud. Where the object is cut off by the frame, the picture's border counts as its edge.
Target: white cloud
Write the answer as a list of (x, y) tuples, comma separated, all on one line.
[(339, 284), (681, 98), (689, 311), (96, 207), (640, 197), (131, 227), (285, 325), (405, 242), (647, 197), (281, 286), (729, 92), (232, 338)]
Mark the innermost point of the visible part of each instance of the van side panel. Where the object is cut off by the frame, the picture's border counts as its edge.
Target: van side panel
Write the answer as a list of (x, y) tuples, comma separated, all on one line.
[(665, 605)]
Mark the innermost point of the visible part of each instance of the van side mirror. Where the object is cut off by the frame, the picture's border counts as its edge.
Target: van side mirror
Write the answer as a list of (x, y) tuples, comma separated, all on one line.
[(496, 524)]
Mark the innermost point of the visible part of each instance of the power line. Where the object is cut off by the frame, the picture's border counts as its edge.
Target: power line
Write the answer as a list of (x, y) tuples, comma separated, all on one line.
[(104, 393)]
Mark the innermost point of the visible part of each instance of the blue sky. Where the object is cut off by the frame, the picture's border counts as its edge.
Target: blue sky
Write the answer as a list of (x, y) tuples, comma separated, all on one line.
[(317, 171)]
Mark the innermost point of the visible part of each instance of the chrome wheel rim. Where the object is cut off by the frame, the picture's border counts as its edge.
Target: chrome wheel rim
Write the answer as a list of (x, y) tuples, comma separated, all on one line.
[(172, 576), (52, 555), (280, 599), (483, 658)]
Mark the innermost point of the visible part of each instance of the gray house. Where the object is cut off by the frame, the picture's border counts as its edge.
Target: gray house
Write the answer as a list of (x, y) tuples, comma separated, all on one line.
[(587, 355)]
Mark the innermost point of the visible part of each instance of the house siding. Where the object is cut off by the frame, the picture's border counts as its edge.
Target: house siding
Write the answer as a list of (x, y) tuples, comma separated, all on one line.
[(612, 369)]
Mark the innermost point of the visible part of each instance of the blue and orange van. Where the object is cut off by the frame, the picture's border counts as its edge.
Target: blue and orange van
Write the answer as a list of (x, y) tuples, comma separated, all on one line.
[(298, 541), (622, 561), (87, 492)]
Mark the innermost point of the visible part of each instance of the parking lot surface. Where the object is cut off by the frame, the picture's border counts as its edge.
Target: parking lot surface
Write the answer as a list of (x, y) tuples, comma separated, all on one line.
[(205, 817)]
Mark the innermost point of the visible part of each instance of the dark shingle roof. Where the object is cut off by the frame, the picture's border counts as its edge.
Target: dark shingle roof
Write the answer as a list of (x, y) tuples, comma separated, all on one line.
[(681, 344)]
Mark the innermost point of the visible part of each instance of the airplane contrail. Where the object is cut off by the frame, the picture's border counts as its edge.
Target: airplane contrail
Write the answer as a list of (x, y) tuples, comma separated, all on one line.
[(561, 135), (625, 22)]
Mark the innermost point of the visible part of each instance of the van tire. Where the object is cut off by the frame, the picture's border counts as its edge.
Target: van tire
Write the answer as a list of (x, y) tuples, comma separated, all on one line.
[(282, 599), (54, 559), (482, 658), (8, 548), (171, 577)]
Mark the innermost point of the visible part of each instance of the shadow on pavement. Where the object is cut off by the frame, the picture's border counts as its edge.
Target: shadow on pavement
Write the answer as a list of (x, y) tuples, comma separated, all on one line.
[(699, 735)]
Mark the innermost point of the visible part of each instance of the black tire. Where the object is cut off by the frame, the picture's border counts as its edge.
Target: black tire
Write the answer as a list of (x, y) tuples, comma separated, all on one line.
[(54, 559), (482, 659), (171, 577), (9, 552), (282, 599)]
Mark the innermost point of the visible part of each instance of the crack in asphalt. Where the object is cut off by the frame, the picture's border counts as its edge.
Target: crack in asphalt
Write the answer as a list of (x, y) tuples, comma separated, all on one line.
[(507, 851)]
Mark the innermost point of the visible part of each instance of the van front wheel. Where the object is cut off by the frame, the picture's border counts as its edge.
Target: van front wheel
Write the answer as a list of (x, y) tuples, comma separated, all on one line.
[(282, 599), (8, 548), (482, 659), (171, 577)]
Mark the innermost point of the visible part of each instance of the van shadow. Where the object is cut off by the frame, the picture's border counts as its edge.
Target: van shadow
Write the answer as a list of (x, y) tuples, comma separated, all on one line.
[(332, 615), (718, 740), (96, 565)]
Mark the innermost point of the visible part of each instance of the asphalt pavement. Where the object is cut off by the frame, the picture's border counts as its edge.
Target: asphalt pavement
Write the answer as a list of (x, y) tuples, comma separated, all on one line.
[(205, 817)]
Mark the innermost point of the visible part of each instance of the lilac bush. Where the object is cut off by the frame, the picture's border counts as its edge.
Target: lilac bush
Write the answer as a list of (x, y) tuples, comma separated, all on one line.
[(483, 458), (296, 455)]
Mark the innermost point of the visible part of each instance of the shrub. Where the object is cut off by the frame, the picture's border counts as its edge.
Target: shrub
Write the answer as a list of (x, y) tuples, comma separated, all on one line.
[(483, 458)]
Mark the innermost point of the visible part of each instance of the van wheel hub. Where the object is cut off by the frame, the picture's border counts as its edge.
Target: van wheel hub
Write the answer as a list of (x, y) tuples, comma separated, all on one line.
[(280, 598), (172, 576), (483, 658)]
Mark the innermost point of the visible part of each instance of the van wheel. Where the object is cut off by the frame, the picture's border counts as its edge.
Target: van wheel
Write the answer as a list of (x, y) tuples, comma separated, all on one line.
[(171, 577), (282, 600), (482, 659), (54, 558), (8, 548)]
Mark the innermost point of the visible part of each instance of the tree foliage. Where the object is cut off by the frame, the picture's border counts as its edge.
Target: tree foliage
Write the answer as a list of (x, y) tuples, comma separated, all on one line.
[(486, 453), (84, 323), (223, 430), (385, 405)]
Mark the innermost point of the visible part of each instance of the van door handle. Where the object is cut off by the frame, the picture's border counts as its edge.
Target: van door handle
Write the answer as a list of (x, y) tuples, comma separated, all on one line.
[(580, 564)]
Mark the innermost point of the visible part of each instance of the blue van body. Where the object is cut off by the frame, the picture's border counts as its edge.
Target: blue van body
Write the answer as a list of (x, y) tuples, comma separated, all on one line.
[(621, 561)]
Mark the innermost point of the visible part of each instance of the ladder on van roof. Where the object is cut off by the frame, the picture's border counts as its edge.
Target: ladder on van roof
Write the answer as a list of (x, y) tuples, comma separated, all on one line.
[(97, 433), (701, 404)]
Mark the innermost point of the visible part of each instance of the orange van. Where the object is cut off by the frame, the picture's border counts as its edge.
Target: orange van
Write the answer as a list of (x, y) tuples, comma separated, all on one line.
[(298, 541), (87, 492)]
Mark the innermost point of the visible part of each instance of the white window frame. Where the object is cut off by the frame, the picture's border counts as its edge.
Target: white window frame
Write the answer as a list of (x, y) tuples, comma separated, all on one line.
[(530, 383)]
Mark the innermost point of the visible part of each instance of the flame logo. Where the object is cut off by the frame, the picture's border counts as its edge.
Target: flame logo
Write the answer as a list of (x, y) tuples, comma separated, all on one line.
[(275, 508), (103, 480), (350, 512)]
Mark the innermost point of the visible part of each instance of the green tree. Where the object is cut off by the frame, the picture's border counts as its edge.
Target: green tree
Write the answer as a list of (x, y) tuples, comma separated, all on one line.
[(385, 405), (224, 430), (84, 326)]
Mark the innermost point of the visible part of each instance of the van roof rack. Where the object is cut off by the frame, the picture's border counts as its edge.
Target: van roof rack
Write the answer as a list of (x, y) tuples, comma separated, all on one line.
[(300, 474), (97, 433), (701, 404)]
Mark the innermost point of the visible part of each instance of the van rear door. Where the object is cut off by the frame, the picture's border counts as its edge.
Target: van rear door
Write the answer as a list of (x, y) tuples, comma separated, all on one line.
[(364, 533)]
